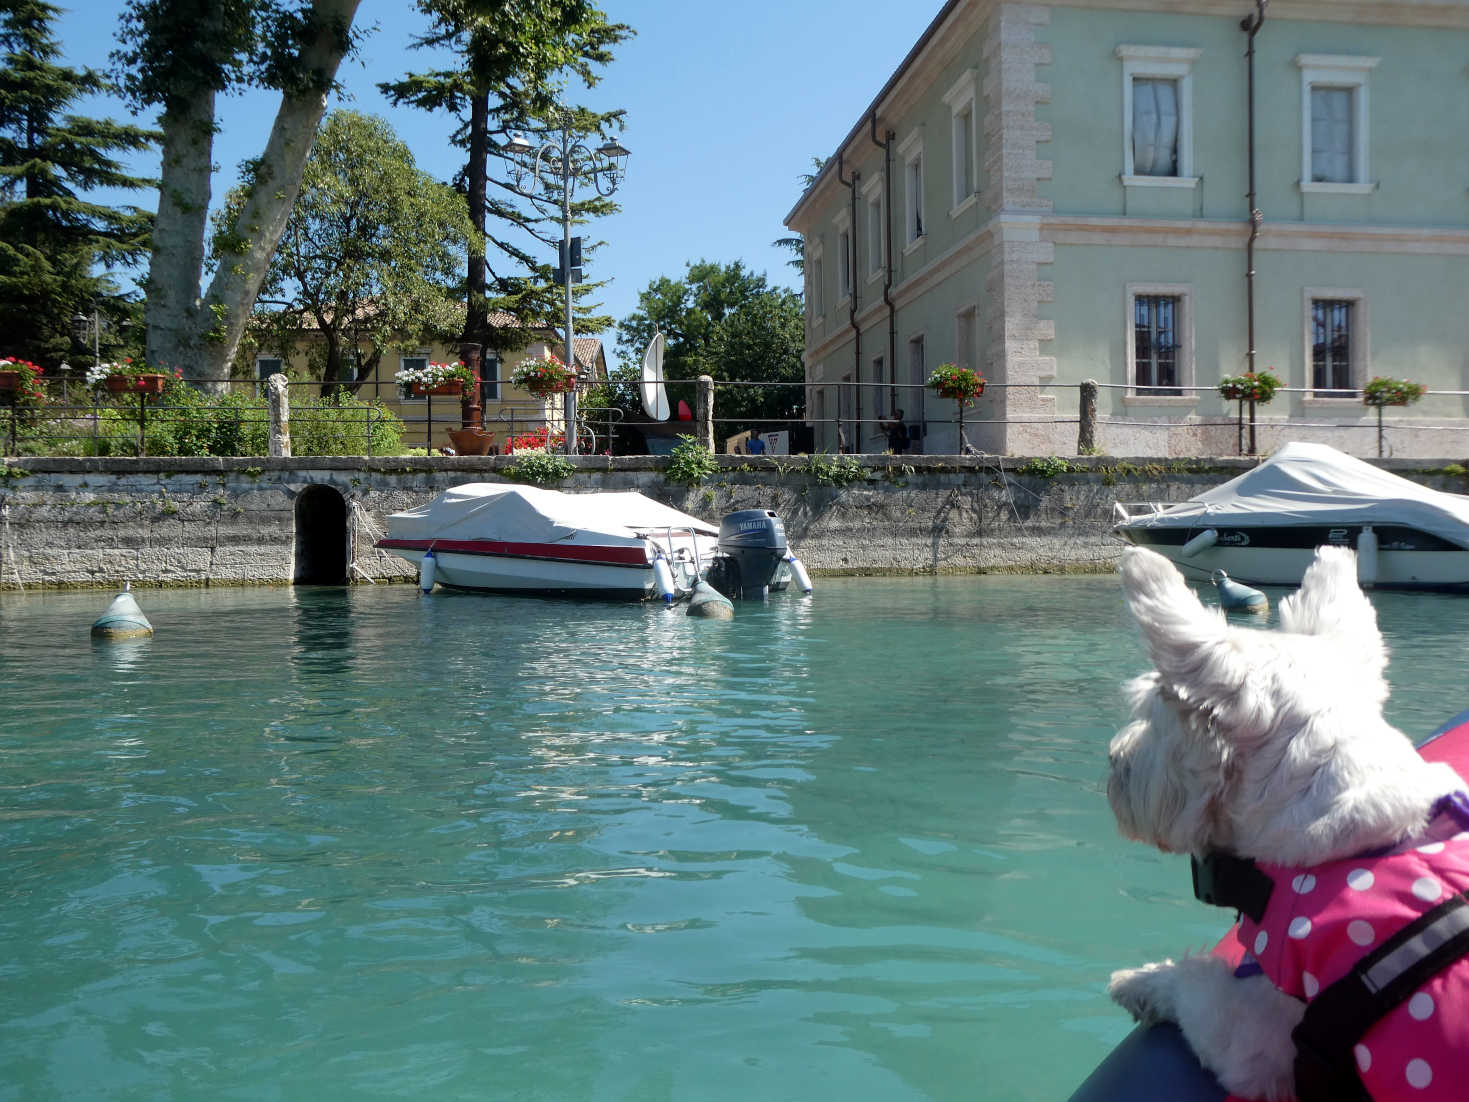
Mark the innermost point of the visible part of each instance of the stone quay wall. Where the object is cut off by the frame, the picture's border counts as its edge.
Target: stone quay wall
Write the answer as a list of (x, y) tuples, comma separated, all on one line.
[(77, 523)]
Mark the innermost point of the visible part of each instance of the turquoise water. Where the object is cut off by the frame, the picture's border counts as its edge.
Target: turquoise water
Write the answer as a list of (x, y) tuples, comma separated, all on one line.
[(347, 844)]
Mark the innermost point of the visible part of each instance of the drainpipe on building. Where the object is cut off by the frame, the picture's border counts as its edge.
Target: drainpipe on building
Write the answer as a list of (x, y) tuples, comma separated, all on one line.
[(886, 145), (851, 186), (1251, 26)]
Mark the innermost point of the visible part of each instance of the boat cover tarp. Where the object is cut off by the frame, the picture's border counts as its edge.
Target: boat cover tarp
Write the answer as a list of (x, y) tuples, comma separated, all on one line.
[(530, 514), (1316, 484)]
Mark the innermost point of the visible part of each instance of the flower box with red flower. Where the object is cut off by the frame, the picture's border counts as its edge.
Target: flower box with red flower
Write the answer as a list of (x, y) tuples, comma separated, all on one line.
[(959, 383), (450, 386), (543, 378)]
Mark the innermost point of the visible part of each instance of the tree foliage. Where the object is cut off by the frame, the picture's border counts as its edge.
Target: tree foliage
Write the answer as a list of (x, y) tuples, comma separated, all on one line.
[(371, 255), (180, 55), (512, 54), (723, 321), (51, 237), (796, 245)]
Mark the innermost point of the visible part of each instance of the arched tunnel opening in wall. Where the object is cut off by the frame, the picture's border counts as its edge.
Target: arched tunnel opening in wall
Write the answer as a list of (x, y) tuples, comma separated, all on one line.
[(322, 538)]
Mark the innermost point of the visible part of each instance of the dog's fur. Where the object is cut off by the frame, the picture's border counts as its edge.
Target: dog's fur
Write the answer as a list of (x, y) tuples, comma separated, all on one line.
[(1269, 745)]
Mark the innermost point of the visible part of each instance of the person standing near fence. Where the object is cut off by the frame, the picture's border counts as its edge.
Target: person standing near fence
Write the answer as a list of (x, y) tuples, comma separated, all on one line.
[(755, 446)]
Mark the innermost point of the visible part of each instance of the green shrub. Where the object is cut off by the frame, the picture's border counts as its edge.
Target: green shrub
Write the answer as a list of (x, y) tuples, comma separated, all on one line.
[(690, 462), (540, 468), (1044, 466), (836, 470)]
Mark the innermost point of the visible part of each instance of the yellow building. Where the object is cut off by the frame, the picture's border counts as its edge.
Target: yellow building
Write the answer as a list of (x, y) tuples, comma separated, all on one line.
[(507, 409)]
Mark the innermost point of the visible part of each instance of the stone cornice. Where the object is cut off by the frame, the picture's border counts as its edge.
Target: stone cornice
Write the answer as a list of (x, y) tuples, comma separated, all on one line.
[(1398, 13), (1295, 236)]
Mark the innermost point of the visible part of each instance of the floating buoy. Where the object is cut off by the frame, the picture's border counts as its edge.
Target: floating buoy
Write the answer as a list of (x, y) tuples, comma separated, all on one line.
[(426, 571), (798, 574), (709, 603), (1236, 597), (663, 578), (123, 618)]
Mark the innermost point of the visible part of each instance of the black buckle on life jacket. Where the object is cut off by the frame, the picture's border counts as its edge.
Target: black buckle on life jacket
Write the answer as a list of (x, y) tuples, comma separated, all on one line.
[(1224, 880), (1343, 1013)]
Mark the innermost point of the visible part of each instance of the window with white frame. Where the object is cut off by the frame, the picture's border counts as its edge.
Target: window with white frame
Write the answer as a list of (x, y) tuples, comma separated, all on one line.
[(417, 361), (1157, 116), (875, 227), (1336, 341), (964, 174), (844, 257), (1334, 118), (1160, 340), (911, 152)]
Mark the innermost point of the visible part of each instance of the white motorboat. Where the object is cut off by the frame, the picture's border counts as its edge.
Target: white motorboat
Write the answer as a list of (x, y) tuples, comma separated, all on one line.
[(1263, 527), (524, 539)]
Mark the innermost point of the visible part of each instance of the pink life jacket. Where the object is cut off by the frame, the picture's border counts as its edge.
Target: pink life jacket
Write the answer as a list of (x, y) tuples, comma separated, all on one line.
[(1320, 921)]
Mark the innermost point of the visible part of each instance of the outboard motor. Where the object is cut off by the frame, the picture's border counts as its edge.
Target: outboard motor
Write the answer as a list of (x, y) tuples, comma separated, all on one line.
[(752, 545)]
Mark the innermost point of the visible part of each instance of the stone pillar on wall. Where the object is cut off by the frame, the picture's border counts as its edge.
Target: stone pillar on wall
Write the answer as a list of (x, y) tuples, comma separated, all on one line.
[(704, 414), (1013, 173), (278, 391)]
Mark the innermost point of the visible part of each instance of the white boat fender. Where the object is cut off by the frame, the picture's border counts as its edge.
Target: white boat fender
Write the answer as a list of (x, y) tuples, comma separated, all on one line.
[(708, 602), (1367, 557), (663, 578), (1236, 597), (123, 618), (798, 574), (426, 570), (1202, 542)]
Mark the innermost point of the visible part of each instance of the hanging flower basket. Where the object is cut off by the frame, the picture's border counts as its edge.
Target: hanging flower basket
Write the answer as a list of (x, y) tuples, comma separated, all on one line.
[(1253, 386), (958, 383), (434, 378), (544, 378), (1391, 392), (20, 381)]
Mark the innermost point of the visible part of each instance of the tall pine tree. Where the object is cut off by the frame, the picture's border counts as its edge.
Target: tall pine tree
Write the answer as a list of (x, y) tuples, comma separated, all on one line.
[(52, 238), (509, 55)]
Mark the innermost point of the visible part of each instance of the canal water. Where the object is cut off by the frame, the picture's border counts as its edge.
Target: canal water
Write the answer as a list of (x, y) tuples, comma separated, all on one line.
[(359, 844)]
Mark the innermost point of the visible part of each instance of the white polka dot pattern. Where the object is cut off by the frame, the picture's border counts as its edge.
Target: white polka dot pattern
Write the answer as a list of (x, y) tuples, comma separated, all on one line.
[(1361, 932), (1364, 1057), (1427, 889), (1419, 1073), (1300, 927), (1304, 884), (1420, 1006), (1361, 880)]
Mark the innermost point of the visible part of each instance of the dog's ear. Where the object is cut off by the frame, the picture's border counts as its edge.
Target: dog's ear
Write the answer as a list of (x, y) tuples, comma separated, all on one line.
[(1181, 633), (1330, 602)]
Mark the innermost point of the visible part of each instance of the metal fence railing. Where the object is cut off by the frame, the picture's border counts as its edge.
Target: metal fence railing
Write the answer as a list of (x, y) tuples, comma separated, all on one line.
[(825, 416)]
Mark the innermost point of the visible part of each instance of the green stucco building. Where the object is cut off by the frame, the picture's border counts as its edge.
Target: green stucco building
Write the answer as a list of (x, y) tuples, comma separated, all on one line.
[(1051, 193)]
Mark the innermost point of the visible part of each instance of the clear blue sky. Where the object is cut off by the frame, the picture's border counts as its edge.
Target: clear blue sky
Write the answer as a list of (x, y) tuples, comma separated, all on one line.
[(726, 105)]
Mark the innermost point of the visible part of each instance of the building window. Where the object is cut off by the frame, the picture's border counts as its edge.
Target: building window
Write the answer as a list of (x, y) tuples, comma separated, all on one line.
[(1157, 116), (1334, 118), (266, 366), (1160, 342), (916, 373), (875, 227), (816, 296), (1336, 341), (844, 258), (913, 219), (417, 361), (967, 338), (880, 384), (960, 100), (489, 378)]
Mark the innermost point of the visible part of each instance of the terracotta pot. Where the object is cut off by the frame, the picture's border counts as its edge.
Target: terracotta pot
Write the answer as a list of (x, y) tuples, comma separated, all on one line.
[(118, 383), (150, 384), (453, 386), (9, 380)]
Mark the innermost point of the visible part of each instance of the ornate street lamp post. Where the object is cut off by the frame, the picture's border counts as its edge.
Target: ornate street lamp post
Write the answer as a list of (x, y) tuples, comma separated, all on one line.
[(561, 162)]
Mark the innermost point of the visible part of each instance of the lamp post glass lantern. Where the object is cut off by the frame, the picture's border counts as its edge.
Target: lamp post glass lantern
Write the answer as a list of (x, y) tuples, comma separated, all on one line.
[(549, 172)]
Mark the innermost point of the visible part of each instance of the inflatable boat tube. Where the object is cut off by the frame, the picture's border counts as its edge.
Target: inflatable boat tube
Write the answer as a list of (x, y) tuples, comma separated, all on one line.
[(1155, 1062)]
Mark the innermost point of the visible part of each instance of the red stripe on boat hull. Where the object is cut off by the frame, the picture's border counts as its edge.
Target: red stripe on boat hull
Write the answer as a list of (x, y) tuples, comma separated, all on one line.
[(562, 552)]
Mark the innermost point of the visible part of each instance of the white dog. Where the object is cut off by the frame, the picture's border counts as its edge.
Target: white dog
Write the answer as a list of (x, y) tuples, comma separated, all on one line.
[(1272, 746)]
